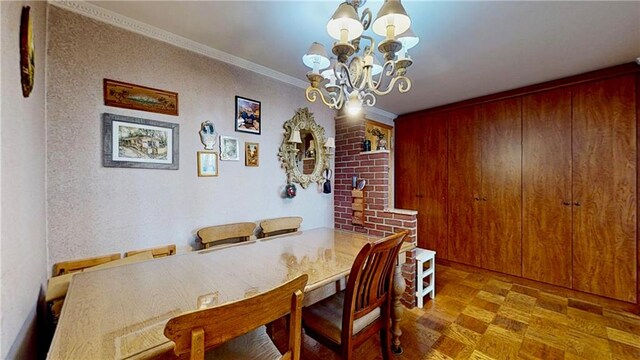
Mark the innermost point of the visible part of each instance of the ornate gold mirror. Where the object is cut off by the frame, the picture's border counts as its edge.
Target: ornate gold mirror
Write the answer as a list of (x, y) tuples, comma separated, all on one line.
[(302, 152)]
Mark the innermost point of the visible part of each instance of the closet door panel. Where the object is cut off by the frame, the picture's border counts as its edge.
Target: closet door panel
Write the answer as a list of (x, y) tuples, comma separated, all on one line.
[(604, 178), (502, 186), (432, 192), (407, 160), (546, 176), (464, 167)]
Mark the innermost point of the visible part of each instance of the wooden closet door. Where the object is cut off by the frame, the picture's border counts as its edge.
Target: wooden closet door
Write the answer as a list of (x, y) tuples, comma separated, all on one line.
[(604, 184), (546, 177), (432, 191), (406, 164), (464, 167), (502, 186)]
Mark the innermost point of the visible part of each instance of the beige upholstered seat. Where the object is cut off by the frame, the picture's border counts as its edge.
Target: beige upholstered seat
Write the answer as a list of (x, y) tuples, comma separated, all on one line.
[(157, 252), (235, 330), (281, 225), (226, 234), (350, 317)]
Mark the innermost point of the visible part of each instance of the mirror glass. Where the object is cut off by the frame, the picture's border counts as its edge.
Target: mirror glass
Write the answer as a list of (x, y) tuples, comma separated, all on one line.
[(306, 156), (302, 152)]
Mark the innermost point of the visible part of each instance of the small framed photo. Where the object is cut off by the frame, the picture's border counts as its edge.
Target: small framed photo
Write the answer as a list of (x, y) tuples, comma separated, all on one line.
[(251, 154), (207, 163), (229, 149), (130, 142), (248, 115)]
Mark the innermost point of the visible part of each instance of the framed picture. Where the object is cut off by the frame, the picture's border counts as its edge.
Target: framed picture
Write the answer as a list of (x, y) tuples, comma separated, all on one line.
[(27, 56), (137, 97), (251, 154), (248, 115), (229, 148), (207, 163), (379, 134), (139, 143)]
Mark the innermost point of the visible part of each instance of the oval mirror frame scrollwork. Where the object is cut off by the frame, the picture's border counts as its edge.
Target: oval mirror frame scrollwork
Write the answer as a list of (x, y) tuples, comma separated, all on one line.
[(303, 120)]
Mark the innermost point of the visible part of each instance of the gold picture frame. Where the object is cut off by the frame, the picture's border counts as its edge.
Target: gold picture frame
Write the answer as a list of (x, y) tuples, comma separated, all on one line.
[(27, 52), (251, 154), (137, 97), (207, 163), (375, 131)]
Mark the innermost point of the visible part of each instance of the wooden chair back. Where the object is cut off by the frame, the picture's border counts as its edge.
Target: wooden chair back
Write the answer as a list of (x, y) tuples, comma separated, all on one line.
[(278, 226), (195, 331), (370, 282), (67, 267), (226, 234), (157, 252)]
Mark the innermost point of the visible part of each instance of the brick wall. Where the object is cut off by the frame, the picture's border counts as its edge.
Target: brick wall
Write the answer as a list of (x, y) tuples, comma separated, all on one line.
[(381, 219)]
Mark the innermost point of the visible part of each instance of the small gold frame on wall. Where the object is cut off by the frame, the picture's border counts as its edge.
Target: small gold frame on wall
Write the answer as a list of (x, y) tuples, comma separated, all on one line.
[(207, 163), (251, 154)]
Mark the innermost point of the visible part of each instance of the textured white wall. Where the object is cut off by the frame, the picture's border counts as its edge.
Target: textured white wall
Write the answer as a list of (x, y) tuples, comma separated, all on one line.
[(94, 210), (22, 145)]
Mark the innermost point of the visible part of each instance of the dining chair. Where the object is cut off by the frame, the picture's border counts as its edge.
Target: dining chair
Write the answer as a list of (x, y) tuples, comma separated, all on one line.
[(278, 226), (226, 234), (345, 320), (66, 267), (157, 252), (236, 330)]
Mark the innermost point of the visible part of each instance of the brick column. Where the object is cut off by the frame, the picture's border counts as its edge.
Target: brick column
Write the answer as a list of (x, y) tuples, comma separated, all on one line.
[(381, 219)]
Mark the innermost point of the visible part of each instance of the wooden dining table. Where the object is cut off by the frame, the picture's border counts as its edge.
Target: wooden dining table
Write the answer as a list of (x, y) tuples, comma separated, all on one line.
[(121, 312)]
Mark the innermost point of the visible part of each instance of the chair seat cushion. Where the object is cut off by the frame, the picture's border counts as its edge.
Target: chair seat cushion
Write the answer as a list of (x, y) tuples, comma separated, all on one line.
[(325, 317), (255, 345)]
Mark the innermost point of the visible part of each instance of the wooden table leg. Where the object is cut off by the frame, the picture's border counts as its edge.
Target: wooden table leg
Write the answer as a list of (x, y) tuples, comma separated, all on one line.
[(396, 312)]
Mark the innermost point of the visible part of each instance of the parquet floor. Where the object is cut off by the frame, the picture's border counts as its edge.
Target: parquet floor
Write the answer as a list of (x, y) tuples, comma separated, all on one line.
[(479, 316)]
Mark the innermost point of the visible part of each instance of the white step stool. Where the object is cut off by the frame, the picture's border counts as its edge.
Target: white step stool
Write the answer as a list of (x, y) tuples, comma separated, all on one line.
[(425, 256)]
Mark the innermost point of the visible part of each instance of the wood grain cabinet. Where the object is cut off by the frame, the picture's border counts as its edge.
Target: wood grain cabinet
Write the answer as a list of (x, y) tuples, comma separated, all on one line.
[(539, 182), (547, 201), (421, 177), (604, 188)]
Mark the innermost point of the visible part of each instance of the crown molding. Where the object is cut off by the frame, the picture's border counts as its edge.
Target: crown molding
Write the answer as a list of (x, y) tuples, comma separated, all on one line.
[(375, 110), (112, 18)]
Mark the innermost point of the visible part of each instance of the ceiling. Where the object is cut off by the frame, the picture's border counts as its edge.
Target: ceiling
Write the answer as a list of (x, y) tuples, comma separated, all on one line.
[(466, 49)]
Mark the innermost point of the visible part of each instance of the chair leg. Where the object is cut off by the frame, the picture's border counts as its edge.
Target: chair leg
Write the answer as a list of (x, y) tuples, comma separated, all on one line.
[(385, 342), (346, 352)]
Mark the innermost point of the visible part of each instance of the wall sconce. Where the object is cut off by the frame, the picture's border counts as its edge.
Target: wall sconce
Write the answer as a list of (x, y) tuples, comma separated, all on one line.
[(330, 144), (295, 137)]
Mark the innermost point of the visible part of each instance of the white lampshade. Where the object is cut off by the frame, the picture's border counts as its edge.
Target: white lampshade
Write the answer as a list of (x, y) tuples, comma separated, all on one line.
[(345, 24), (391, 13), (408, 39), (316, 58), (330, 143), (295, 137), (312, 145)]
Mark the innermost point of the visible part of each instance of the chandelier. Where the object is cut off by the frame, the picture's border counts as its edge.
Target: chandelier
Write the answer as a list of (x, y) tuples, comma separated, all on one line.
[(353, 80)]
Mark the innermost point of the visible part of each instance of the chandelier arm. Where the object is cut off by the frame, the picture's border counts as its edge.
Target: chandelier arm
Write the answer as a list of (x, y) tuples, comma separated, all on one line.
[(387, 71), (342, 74), (370, 49), (369, 99), (312, 95), (404, 84), (365, 19)]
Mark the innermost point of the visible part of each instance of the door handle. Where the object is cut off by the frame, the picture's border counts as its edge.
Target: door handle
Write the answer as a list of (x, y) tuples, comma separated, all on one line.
[(476, 198), (566, 203), (577, 203), (484, 199)]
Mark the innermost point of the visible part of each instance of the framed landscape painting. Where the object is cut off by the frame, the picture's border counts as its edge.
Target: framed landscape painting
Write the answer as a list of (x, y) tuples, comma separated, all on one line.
[(138, 97), (139, 143), (248, 115)]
